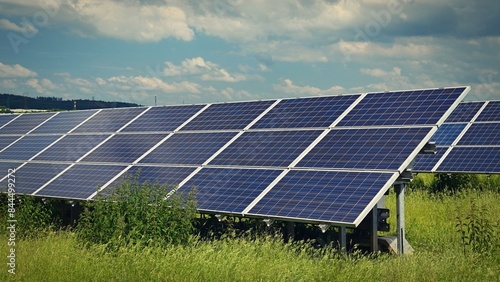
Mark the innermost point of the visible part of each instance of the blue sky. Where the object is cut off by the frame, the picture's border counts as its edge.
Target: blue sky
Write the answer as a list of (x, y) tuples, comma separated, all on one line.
[(232, 50)]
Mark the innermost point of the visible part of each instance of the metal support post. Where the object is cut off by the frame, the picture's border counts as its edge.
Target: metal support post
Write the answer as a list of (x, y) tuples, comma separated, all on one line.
[(374, 229), (290, 230), (343, 239), (400, 215)]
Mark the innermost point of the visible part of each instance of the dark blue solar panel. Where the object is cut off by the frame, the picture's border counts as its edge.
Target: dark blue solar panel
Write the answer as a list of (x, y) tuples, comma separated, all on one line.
[(491, 112), (124, 148), (228, 190), (472, 159), (63, 122), (71, 147), (425, 162), (402, 108), (163, 118), (24, 123), (266, 148), (109, 120), (27, 147), (80, 181), (33, 175), (321, 195), (7, 140), (4, 119), (306, 112), (160, 175), (5, 168), (464, 112), (482, 134), (447, 133), (188, 148), (228, 116), (384, 148)]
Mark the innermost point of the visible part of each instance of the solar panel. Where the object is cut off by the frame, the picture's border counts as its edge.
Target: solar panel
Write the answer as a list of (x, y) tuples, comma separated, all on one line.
[(27, 147), (325, 196), (482, 134), (188, 148), (228, 116), (4, 119), (472, 159), (4, 170), (447, 133), (236, 153), (270, 148), (109, 120), (32, 176), (228, 189), (24, 123), (124, 148), (80, 181), (163, 118), (491, 112), (416, 107), (71, 148), (161, 175), (428, 161), (63, 122), (383, 148), (306, 112), (7, 140), (464, 112)]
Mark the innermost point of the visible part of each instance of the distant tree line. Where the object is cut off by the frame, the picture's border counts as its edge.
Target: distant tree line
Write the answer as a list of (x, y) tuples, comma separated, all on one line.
[(11, 101)]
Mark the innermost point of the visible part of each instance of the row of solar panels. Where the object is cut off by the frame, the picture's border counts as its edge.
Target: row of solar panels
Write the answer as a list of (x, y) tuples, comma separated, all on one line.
[(324, 159), (469, 141)]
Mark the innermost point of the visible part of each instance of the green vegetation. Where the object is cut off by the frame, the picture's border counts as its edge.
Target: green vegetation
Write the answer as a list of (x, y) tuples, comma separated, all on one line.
[(455, 234)]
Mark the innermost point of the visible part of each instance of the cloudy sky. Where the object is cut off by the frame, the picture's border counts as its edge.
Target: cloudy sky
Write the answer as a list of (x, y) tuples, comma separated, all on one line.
[(230, 50)]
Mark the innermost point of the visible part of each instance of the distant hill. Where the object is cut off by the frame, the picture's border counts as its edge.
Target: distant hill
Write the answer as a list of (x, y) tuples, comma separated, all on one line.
[(12, 101)]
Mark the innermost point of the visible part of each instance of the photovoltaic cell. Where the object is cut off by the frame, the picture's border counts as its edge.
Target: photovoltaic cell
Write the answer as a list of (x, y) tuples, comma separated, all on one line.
[(124, 148), (426, 162), (4, 170), (109, 120), (306, 112), (188, 148), (270, 148), (472, 159), (321, 195), (228, 190), (63, 122), (33, 175), (7, 140), (163, 118), (447, 133), (482, 134), (71, 147), (228, 116), (24, 123), (160, 175), (491, 112), (418, 107), (5, 119), (385, 149), (464, 112), (80, 181), (27, 147)]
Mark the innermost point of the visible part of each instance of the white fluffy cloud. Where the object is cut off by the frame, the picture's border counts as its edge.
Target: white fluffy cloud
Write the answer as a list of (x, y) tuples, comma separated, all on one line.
[(208, 71), (24, 27), (289, 87), (15, 71)]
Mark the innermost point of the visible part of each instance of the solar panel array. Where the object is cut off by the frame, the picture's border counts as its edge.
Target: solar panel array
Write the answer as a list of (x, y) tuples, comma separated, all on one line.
[(319, 159), (468, 141)]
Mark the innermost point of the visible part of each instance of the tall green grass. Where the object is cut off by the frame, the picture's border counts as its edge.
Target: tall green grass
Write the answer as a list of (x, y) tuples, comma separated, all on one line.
[(431, 229)]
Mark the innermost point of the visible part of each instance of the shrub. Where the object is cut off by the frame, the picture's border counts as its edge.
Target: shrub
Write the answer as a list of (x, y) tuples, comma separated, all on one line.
[(139, 215)]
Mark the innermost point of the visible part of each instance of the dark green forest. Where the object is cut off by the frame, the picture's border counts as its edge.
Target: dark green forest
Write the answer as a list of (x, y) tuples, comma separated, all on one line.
[(11, 101)]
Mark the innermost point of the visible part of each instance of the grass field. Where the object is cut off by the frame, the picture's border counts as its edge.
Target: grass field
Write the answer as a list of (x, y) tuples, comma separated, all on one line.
[(431, 229)]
